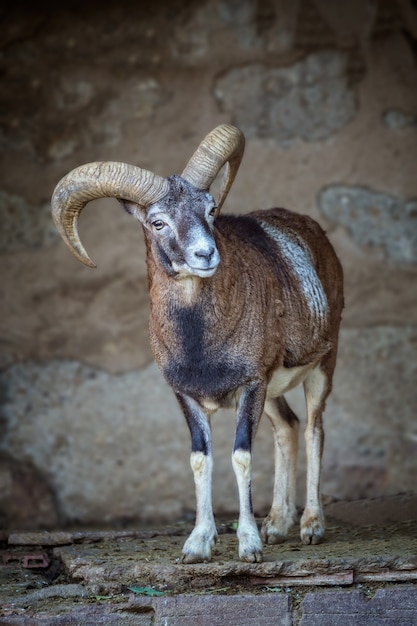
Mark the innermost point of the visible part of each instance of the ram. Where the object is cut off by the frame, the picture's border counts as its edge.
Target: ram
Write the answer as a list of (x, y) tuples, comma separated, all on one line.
[(242, 309)]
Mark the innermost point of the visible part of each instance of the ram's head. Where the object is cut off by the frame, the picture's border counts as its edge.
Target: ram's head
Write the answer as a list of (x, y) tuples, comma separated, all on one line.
[(177, 212)]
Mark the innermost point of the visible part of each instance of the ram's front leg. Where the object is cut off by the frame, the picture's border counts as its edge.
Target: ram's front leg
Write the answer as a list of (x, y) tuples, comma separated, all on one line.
[(199, 544), (248, 415)]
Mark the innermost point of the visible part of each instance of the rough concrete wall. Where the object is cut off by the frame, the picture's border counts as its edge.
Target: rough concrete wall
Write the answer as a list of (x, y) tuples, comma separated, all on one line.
[(328, 101)]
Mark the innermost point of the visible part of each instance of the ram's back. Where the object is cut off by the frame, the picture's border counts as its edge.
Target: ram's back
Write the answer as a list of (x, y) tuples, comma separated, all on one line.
[(307, 278)]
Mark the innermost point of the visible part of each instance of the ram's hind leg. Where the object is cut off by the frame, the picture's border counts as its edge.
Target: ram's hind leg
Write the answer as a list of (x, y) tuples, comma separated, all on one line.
[(283, 512), (199, 544), (316, 387)]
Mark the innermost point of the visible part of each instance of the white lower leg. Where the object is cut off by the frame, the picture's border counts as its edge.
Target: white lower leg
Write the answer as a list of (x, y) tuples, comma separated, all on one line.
[(199, 544), (250, 545), (312, 520), (283, 512)]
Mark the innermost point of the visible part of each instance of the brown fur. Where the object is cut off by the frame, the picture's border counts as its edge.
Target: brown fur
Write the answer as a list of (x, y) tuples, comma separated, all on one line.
[(249, 313)]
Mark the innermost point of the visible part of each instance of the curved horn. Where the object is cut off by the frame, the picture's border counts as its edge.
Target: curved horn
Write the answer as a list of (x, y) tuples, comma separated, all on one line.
[(225, 144), (106, 179)]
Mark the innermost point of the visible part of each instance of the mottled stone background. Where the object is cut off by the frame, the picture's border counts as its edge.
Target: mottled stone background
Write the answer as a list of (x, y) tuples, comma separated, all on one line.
[(326, 93)]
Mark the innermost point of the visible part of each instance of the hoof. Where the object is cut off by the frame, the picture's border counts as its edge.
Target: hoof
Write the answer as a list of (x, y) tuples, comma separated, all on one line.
[(275, 528), (250, 546), (312, 528), (197, 548)]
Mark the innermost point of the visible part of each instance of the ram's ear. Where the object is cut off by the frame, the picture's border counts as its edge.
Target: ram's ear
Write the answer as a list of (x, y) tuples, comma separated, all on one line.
[(133, 208)]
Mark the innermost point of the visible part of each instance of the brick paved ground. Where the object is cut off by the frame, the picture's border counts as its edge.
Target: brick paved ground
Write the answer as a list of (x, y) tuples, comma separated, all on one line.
[(389, 607)]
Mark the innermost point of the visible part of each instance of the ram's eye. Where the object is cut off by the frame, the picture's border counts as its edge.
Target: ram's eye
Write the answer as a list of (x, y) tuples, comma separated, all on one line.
[(158, 224), (212, 211)]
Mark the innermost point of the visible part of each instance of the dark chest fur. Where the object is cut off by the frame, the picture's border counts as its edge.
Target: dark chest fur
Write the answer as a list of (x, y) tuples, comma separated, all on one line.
[(196, 367)]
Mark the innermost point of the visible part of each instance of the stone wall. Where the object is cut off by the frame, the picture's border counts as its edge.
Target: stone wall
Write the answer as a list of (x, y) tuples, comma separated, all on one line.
[(327, 98)]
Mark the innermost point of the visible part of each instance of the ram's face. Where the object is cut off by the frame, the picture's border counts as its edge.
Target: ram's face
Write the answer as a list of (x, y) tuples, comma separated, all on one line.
[(181, 227)]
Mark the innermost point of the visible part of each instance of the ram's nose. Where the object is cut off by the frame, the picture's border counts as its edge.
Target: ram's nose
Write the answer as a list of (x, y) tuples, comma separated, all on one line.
[(204, 261), (205, 254)]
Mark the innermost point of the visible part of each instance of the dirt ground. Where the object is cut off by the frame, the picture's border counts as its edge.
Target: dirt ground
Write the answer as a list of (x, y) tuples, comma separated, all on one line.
[(49, 571)]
